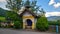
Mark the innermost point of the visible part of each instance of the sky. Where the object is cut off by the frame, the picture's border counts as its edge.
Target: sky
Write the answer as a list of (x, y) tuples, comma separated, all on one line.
[(51, 7)]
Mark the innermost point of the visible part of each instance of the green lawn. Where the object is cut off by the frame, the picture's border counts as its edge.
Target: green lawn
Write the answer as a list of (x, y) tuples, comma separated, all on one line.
[(2, 18)]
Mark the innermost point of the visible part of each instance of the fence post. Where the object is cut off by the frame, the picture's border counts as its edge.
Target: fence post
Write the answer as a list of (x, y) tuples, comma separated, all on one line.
[(56, 28)]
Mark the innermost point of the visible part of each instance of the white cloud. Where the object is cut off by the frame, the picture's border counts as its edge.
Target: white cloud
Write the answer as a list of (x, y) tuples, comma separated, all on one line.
[(51, 2), (2, 0), (52, 14), (56, 5)]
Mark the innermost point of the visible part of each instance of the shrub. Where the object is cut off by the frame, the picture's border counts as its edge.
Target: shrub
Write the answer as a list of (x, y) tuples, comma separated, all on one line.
[(0, 23), (42, 24), (17, 24), (12, 16), (54, 23)]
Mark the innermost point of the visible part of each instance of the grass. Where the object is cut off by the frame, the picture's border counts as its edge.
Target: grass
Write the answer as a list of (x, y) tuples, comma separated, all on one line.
[(2, 18)]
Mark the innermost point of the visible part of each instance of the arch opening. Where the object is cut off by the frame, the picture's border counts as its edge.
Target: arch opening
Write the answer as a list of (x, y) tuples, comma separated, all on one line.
[(29, 22)]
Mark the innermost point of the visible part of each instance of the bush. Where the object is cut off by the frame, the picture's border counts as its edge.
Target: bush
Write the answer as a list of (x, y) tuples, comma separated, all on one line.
[(54, 23), (12, 16), (0, 23), (17, 25), (42, 24)]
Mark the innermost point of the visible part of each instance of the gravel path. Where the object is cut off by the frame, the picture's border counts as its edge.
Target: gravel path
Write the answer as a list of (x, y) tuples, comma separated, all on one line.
[(10, 31)]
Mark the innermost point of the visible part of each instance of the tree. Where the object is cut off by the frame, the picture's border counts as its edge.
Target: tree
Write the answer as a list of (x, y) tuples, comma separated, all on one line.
[(14, 5), (42, 24), (34, 7), (27, 2), (42, 12)]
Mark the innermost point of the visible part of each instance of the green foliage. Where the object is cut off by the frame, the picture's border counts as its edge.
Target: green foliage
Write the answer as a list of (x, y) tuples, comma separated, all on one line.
[(54, 22), (27, 2), (58, 22), (42, 24), (14, 5), (17, 24), (13, 16), (33, 4), (0, 23)]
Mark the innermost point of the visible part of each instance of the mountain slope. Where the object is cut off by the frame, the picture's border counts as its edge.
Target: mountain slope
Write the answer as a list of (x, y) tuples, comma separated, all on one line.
[(53, 18), (2, 12)]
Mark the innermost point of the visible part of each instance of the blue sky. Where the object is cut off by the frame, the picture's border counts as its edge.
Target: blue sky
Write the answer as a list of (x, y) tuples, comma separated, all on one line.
[(51, 7), (45, 5)]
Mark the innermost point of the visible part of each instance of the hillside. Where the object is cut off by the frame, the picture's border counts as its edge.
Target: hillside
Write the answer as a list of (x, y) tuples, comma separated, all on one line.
[(53, 18), (2, 12)]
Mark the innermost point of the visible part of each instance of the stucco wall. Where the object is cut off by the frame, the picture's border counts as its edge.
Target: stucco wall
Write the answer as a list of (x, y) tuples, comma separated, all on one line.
[(26, 16)]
